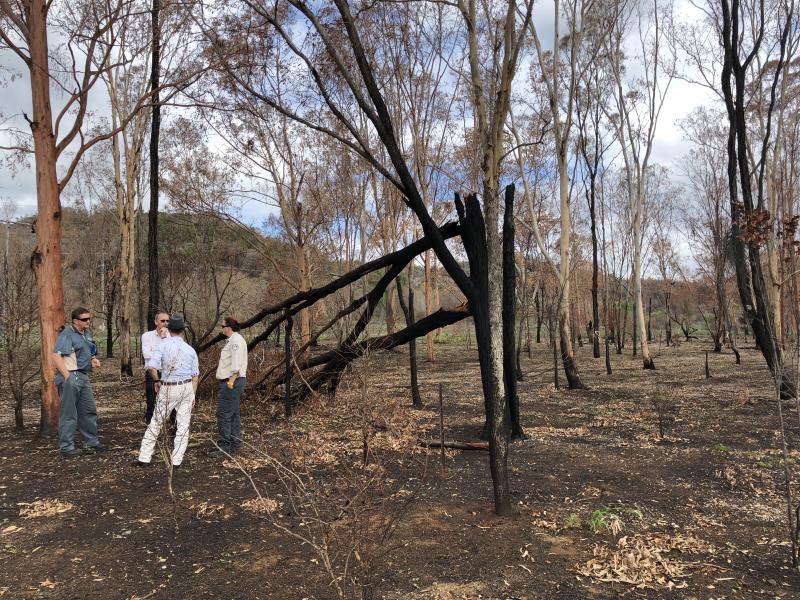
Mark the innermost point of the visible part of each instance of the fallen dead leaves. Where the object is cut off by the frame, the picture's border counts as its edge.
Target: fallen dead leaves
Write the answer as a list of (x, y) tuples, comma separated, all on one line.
[(261, 505), (10, 529), (207, 510), (44, 508), (545, 524), (557, 432), (247, 463), (646, 561)]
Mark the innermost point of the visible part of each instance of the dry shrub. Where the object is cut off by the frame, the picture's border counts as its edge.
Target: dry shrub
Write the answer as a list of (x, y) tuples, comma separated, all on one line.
[(44, 508), (645, 561), (346, 475)]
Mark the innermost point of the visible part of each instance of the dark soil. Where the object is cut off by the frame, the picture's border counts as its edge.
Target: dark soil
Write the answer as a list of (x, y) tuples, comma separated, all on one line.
[(699, 513)]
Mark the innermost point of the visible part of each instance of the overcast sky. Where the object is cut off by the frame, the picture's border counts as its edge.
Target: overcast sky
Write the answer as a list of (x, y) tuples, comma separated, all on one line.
[(19, 187)]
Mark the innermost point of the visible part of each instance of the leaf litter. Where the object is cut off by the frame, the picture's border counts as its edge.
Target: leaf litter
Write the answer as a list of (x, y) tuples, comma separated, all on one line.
[(44, 508), (649, 561)]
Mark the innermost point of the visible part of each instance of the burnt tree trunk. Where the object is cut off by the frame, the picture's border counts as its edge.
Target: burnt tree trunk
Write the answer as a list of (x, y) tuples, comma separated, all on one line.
[(595, 333), (408, 312), (624, 331), (510, 355), (473, 235), (287, 377), (110, 297), (154, 292), (539, 304), (297, 302)]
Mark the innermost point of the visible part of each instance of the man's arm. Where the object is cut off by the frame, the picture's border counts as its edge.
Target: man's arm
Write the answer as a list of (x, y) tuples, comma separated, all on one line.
[(232, 379), (195, 372), (147, 346), (59, 363), (152, 365), (236, 363)]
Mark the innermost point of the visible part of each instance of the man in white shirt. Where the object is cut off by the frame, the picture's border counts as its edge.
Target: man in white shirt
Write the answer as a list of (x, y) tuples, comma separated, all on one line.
[(175, 390), (232, 377), (151, 340)]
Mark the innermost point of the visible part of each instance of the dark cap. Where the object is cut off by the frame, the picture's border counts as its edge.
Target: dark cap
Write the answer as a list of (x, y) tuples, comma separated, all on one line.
[(176, 323)]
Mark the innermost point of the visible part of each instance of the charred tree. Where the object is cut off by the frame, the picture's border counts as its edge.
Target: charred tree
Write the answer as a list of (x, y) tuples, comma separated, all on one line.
[(510, 354), (287, 377), (154, 292), (539, 305), (297, 302), (334, 362), (111, 295), (746, 191), (408, 312), (473, 236)]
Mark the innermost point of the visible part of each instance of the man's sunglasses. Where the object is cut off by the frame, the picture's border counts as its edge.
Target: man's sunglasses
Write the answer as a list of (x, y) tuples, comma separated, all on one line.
[(84, 319), (163, 321)]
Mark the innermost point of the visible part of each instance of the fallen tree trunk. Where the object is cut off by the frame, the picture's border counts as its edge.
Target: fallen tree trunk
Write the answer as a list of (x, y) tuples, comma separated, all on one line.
[(483, 446), (334, 362)]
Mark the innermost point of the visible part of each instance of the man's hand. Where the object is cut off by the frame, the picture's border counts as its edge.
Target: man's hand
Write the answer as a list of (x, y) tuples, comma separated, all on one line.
[(232, 380), (162, 333), (96, 364), (60, 365)]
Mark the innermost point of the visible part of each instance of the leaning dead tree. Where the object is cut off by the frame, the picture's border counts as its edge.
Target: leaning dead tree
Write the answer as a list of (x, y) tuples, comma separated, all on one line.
[(322, 373), (351, 82)]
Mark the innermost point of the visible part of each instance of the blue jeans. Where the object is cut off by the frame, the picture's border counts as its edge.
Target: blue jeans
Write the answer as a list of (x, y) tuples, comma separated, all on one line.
[(78, 411), (229, 422)]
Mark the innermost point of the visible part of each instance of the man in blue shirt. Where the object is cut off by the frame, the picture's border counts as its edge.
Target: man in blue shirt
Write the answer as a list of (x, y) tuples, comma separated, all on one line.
[(179, 367), (74, 359)]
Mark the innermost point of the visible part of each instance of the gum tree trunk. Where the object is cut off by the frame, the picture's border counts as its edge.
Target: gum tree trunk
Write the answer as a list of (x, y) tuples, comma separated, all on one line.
[(46, 259)]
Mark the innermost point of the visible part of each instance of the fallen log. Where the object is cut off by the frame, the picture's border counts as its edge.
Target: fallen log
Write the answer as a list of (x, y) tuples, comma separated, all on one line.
[(479, 445)]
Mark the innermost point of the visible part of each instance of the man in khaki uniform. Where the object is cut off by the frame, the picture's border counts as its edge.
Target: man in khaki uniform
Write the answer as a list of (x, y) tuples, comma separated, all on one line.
[(232, 378)]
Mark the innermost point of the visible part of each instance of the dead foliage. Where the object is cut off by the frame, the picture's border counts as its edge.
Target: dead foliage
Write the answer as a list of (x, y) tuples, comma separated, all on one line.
[(43, 508), (206, 510), (261, 505), (649, 561)]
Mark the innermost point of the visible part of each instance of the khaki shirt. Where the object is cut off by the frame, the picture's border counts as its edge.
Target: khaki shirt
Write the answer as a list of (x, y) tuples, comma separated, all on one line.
[(233, 358)]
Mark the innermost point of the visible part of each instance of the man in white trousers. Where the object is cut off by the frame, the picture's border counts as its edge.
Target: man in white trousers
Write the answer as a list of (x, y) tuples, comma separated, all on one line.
[(179, 367)]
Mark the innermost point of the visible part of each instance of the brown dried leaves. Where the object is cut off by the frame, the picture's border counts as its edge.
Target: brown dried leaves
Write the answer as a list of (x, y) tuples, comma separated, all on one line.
[(645, 560), (261, 505), (43, 508)]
